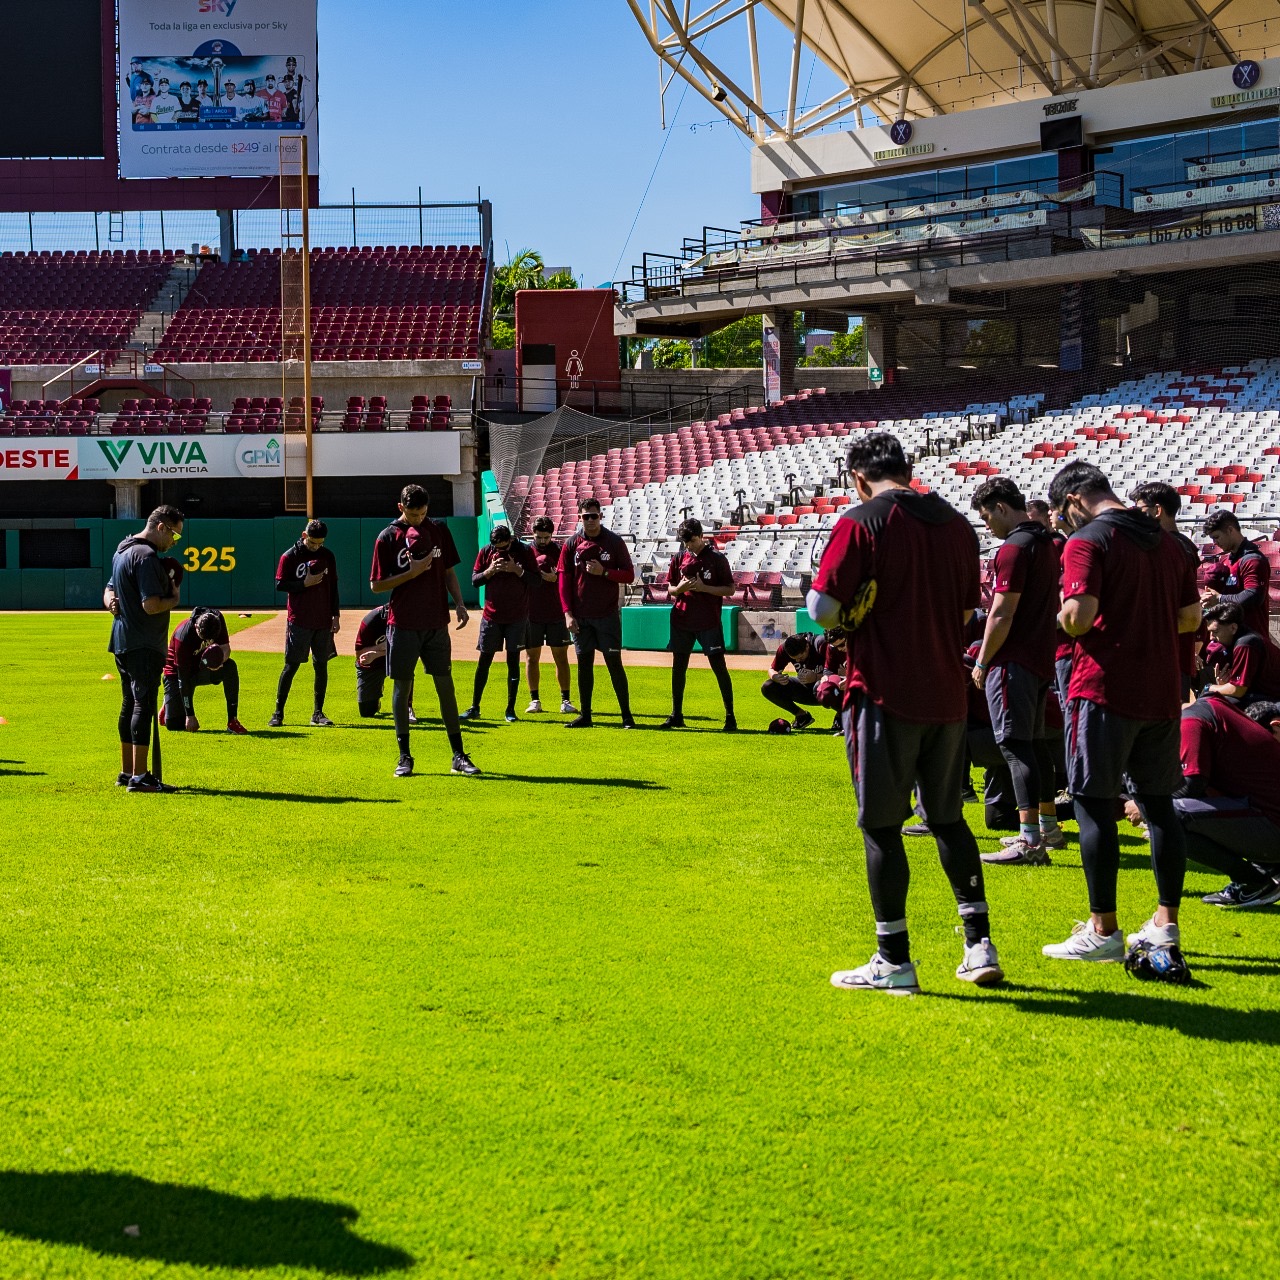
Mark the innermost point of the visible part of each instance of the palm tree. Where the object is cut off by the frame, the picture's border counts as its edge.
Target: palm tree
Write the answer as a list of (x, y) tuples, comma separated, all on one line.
[(524, 271)]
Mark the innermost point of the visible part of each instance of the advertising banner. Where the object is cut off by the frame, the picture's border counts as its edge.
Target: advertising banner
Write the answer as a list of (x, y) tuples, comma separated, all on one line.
[(226, 457), (1221, 222), (208, 87)]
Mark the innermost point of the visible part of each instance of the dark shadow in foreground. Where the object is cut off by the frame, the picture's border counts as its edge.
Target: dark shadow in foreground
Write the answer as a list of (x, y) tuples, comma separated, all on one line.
[(21, 773), (634, 784), (1144, 1007), (188, 1225), (295, 797)]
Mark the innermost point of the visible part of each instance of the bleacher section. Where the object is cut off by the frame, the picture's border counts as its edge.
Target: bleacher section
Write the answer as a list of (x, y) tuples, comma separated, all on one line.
[(768, 482), (70, 417), (407, 303), (58, 308)]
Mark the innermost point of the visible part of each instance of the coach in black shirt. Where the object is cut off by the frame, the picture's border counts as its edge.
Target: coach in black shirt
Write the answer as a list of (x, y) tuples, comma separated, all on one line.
[(141, 594)]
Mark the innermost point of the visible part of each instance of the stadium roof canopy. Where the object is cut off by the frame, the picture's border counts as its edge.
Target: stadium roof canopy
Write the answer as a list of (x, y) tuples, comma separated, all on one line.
[(895, 59)]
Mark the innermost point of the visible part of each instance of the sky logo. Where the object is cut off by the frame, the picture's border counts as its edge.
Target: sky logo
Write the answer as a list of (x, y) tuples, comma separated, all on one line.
[(223, 7)]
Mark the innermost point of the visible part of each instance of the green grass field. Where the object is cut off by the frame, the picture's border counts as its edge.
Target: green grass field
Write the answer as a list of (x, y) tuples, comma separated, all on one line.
[(573, 1018)]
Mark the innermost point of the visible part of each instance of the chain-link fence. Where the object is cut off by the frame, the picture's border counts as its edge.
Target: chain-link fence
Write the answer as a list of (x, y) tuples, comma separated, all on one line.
[(350, 225)]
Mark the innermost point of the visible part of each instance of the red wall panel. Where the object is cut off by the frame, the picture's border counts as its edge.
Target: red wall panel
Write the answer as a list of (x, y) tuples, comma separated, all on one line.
[(571, 320)]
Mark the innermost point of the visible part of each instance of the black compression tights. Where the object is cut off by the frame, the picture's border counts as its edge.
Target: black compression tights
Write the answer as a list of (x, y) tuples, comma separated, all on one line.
[(136, 715), (482, 678), (286, 683), (402, 699), (1100, 849), (680, 670), (889, 874), (617, 675), (1031, 767)]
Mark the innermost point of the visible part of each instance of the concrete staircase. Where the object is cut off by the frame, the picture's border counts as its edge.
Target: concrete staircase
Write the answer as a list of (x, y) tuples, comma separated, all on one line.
[(150, 329)]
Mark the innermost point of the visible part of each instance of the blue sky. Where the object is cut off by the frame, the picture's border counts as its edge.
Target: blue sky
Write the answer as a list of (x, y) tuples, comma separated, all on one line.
[(551, 109)]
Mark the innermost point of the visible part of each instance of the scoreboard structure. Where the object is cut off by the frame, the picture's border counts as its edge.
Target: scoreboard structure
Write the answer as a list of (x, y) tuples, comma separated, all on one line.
[(175, 104)]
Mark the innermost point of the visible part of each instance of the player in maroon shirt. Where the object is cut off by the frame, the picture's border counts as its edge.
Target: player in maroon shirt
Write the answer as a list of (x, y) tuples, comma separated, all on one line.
[(700, 579), (371, 663), (1247, 577), (199, 653), (1128, 592), (546, 620), (1250, 666), (901, 573), (1162, 502), (308, 572), (593, 565), (414, 559), (815, 661), (1229, 804), (1015, 664), (505, 569)]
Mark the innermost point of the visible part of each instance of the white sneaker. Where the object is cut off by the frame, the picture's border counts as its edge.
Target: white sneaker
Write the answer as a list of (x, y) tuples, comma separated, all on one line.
[(1156, 935), (534, 708), (1086, 943), (879, 975), (981, 965), (567, 708), (1056, 839)]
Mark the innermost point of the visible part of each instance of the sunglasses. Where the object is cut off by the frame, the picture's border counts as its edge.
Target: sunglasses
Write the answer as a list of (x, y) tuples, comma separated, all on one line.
[(177, 537), (592, 515)]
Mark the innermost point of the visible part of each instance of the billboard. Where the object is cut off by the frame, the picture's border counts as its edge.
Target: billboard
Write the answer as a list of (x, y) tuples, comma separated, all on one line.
[(208, 87), (225, 457)]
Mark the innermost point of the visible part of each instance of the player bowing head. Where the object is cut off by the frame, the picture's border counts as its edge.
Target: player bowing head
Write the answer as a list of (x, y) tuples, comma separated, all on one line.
[(308, 574)]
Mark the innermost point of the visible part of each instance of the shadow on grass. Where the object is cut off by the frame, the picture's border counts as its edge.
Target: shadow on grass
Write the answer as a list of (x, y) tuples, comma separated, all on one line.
[(293, 796), (1233, 1026), (633, 784), (190, 1226), (276, 733), (21, 773)]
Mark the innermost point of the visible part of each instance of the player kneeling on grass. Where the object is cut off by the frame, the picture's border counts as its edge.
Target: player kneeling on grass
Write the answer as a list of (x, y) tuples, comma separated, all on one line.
[(141, 593), (506, 570), (700, 579), (1229, 803), (900, 572), (807, 654), (199, 653), (1128, 592), (1015, 664), (308, 572), (371, 663), (414, 558)]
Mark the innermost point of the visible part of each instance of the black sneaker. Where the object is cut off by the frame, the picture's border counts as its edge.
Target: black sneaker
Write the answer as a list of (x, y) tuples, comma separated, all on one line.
[(122, 778), (276, 720), (405, 768), (627, 723), (837, 729), (917, 829), (803, 720), (1243, 895), (462, 764), (150, 783), (672, 722), (968, 796), (471, 713), (582, 722), (730, 725), (321, 721), (510, 716)]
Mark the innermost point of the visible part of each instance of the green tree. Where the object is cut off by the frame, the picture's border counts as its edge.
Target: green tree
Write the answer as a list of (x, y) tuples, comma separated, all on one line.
[(671, 353), (739, 345), (524, 271), (504, 334), (846, 349)]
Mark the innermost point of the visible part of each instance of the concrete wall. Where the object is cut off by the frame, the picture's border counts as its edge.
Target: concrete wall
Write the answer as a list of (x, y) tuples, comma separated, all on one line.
[(704, 380)]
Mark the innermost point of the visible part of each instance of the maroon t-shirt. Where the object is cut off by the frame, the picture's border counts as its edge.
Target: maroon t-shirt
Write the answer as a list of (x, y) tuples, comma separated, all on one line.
[(695, 610), (183, 657), (506, 595), (908, 654), (544, 597), (372, 628), (589, 595), (819, 659), (423, 603), (1231, 754), (311, 607), (1247, 582), (1027, 565), (1255, 665), (1128, 660)]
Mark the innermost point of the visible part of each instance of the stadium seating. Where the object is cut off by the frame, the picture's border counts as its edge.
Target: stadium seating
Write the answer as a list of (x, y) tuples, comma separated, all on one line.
[(410, 303), (768, 482), (71, 417), (58, 308)]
